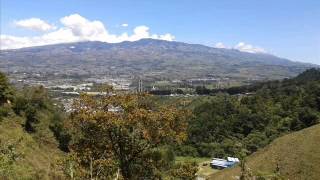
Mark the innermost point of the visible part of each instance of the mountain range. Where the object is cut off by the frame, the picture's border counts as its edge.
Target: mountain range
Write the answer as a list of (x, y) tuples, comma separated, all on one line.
[(148, 58)]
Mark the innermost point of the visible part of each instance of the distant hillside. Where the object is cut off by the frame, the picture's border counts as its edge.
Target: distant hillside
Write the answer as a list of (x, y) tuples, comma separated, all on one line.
[(297, 155), (308, 76), (148, 57)]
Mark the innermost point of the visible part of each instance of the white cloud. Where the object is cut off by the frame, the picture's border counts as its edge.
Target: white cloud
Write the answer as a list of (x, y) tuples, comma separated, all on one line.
[(167, 37), (35, 24), (124, 25), (77, 28), (83, 29), (219, 45), (140, 32), (241, 46)]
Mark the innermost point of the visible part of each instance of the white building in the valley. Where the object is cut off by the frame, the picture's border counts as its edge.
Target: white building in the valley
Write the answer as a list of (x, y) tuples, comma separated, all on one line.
[(217, 163)]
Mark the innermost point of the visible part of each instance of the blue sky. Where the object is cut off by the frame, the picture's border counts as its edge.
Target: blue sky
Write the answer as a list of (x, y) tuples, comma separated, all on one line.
[(286, 28)]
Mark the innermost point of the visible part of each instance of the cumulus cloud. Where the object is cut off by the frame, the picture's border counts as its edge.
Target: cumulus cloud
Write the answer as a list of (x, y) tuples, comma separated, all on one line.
[(167, 37), (84, 29), (124, 25), (35, 24), (241, 46), (219, 45), (77, 28)]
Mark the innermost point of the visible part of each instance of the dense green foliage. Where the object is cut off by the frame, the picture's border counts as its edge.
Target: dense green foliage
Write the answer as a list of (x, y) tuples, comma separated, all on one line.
[(229, 124), (6, 92), (41, 116)]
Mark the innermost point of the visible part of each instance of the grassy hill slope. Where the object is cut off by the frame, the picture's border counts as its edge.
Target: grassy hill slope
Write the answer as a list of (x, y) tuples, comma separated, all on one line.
[(30, 131), (33, 159), (297, 156)]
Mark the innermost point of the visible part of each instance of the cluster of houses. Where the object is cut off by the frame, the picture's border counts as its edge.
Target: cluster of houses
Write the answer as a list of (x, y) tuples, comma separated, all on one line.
[(81, 87), (217, 163)]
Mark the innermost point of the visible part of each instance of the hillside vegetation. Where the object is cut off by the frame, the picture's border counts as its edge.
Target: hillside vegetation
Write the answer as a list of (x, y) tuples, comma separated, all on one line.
[(23, 156), (136, 136), (293, 156), (29, 128), (237, 125)]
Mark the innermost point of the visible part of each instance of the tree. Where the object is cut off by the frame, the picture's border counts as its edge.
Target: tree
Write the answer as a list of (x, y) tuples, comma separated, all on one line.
[(202, 90), (255, 140), (185, 171), (120, 132), (57, 126), (245, 173), (6, 91), (29, 103)]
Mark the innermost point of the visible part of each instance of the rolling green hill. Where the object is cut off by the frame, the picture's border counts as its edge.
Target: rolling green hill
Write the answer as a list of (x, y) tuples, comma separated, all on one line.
[(297, 156)]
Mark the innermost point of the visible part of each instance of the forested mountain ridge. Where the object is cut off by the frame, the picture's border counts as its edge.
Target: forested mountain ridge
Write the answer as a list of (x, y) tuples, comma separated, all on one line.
[(309, 76), (227, 124)]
